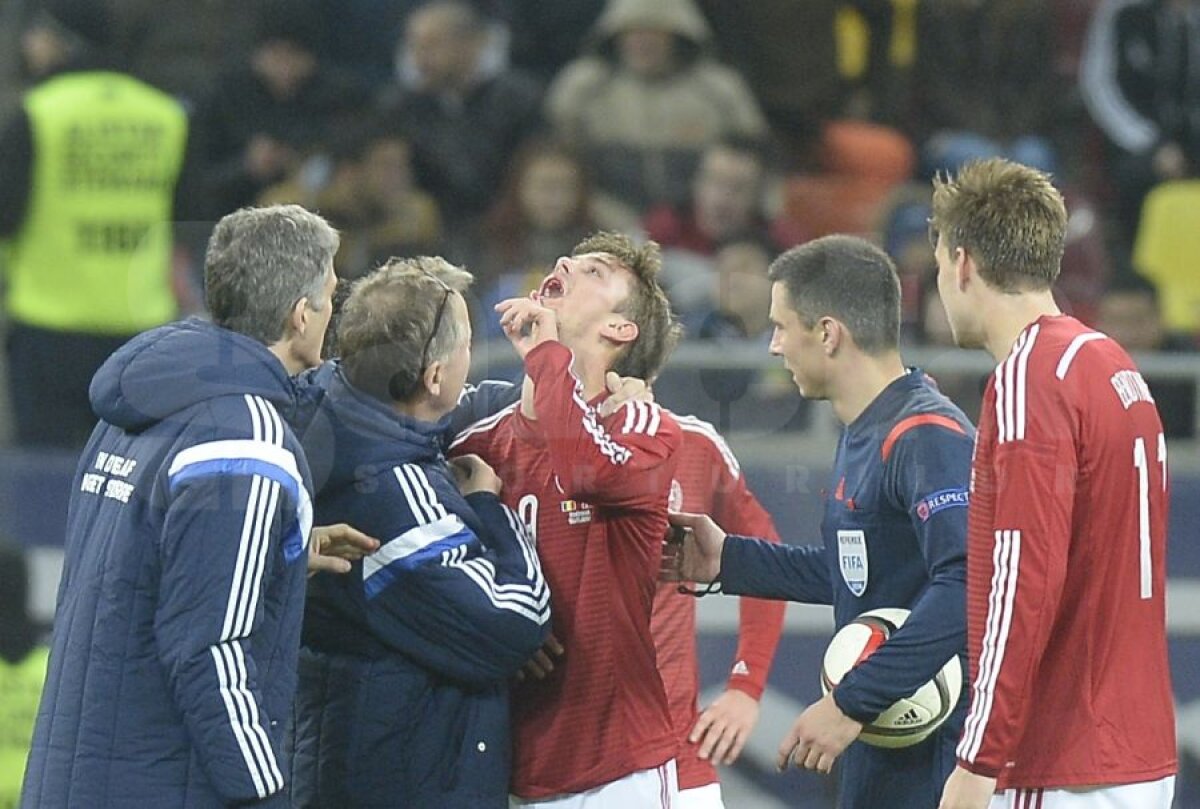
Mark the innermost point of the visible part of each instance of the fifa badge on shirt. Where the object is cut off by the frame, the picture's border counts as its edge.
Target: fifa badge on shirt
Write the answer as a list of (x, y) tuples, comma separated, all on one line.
[(577, 511), (852, 559)]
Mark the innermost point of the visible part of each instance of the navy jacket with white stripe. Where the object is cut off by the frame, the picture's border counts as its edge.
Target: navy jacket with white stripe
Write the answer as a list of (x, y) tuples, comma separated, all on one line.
[(404, 673), (172, 669)]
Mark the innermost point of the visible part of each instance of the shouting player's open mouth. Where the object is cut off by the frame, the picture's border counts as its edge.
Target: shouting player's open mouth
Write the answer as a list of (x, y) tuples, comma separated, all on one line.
[(552, 287)]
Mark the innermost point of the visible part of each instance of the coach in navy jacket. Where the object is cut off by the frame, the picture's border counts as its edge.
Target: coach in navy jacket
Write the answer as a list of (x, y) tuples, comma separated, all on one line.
[(173, 664), (404, 673)]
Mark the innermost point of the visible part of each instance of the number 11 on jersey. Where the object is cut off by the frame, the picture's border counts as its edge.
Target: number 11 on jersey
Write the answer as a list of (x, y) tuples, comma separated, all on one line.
[(1142, 464)]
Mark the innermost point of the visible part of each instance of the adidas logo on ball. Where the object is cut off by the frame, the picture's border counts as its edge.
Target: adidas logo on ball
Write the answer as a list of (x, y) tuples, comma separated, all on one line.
[(911, 719)]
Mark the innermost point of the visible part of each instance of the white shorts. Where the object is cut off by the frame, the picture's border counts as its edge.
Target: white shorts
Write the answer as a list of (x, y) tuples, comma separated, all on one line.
[(1147, 795), (705, 797), (657, 788)]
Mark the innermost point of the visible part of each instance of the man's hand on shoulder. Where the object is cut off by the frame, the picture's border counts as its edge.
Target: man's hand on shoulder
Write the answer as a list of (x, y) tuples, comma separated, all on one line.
[(623, 390), (333, 547)]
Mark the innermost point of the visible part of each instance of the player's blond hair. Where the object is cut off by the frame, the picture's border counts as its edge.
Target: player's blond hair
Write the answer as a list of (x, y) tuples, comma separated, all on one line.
[(1008, 217)]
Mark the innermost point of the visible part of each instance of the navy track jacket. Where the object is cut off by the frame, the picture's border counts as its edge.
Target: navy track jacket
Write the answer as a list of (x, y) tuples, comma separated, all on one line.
[(172, 669), (406, 662), (894, 533)]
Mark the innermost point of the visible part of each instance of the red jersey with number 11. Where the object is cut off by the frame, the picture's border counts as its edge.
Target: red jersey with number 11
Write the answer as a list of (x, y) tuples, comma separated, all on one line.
[(594, 492), (1066, 575)]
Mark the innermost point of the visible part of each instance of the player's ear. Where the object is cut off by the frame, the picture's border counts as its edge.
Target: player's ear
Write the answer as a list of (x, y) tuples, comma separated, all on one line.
[(297, 321), (832, 333), (965, 268), (620, 330), (432, 377)]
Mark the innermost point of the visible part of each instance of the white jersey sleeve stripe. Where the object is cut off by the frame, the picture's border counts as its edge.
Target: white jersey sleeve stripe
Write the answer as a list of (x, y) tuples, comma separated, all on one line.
[(990, 629), (483, 425), (694, 425), (1022, 375), (643, 418), (630, 415), (1064, 363), (1007, 556)]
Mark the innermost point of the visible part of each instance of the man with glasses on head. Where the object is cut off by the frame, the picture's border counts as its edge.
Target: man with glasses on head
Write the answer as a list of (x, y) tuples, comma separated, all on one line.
[(404, 673)]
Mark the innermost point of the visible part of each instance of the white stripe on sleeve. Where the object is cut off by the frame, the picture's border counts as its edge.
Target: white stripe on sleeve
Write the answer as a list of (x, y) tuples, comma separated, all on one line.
[(260, 763), (1006, 558), (1064, 363)]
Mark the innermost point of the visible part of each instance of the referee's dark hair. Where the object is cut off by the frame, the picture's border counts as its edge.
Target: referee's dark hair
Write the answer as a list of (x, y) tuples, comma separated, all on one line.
[(848, 279)]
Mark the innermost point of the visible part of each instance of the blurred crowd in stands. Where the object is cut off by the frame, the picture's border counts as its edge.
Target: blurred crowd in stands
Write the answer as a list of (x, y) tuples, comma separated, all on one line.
[(498, 132)]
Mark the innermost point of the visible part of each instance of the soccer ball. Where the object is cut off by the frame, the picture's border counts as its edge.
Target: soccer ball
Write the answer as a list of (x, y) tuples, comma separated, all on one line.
[(909, 720)]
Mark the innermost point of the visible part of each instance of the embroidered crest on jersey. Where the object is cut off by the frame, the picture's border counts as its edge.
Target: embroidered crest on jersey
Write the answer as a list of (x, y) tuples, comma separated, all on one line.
[(577, 511), (675, 497), (852, 559), (940, 501)]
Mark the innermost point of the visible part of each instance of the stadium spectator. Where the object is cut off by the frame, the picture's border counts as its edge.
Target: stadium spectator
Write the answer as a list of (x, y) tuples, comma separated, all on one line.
[(902, 230), (1130, 313), (895, 522), (647, 99), (727, 199), (177, 630), (727, 202), (269, 112), (592, 725), (728, 299), (406, 662), (368, 193), (90, 167), (544, 210), (463, 117), (1140, 86), (1067, 536)]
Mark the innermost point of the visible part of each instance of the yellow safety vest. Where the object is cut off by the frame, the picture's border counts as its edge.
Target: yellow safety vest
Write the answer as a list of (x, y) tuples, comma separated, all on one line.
[(20, 691), (94, 252)]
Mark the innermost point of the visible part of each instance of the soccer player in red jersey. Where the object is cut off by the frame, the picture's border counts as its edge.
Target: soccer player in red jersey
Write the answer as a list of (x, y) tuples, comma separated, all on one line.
[(596, 730), (1071, 701), (709, 481)]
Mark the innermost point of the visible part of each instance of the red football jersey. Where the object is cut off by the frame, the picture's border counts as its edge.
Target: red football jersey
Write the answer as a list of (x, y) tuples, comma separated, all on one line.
[(1066, 569), (594, 493), (708, 480)]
